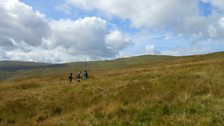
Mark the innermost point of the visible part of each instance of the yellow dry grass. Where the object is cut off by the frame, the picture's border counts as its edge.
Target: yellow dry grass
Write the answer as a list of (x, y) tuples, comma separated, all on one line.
[(184, 91)]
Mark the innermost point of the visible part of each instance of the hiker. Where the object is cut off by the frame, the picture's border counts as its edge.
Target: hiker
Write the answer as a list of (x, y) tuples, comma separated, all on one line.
[(85, 75), (70, 78), (78, 77)]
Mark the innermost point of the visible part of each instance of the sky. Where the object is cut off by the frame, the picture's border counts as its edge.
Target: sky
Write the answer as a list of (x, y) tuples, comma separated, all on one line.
[(59, 31)]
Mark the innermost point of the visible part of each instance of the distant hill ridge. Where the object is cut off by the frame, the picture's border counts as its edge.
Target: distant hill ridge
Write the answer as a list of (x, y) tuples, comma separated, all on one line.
[(12, 66)]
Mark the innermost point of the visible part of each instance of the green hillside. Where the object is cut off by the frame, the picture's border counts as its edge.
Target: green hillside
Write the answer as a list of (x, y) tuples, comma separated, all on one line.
[(17, 65), (137, 91), (10, 68)]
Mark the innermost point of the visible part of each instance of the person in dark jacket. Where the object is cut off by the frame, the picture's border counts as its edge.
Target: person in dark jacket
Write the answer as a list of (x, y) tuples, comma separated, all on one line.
[(70, 77)]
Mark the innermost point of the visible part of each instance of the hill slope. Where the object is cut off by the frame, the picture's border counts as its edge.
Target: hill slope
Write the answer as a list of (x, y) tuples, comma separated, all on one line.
[(17, 65), (9, 68), (139, 91)]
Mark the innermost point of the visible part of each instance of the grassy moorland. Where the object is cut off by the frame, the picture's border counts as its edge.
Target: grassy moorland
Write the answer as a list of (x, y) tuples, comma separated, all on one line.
[(10, 68), (138, 91)]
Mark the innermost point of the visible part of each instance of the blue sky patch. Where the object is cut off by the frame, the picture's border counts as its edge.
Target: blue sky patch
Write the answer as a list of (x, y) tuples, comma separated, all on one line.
[(205, 8)]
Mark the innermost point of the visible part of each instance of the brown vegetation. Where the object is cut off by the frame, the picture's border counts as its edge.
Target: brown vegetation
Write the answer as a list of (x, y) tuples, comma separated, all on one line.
[(162, 91)]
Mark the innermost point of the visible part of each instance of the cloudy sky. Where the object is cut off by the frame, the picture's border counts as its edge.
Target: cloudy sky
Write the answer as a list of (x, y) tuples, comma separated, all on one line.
[(59, 31)]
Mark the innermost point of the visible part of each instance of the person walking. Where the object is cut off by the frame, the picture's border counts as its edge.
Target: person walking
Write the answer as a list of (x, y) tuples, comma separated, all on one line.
[(70, 77), (78, 76), (85, 75)]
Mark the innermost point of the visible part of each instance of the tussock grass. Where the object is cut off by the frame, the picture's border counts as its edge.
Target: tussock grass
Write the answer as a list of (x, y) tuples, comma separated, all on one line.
[(170, 91)]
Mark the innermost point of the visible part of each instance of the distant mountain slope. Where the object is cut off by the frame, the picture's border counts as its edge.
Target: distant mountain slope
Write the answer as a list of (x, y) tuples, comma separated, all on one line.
[(10, 68), (18, 65)]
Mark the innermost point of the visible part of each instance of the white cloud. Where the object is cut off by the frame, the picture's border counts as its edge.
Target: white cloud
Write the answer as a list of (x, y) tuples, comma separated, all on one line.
[(64, 8), (178, 16), (116, 40), (73, 40), (150, 49), (143, 13), (206, 1), (83, 36), (221, 22), (218, 3), (28, 35), (21, 24), (59, 55), (89, 36), (184, 51)]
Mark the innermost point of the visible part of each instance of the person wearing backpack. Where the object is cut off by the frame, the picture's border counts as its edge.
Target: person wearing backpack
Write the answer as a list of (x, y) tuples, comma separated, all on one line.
[(85, 75), (70, 78), (78, 76)]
